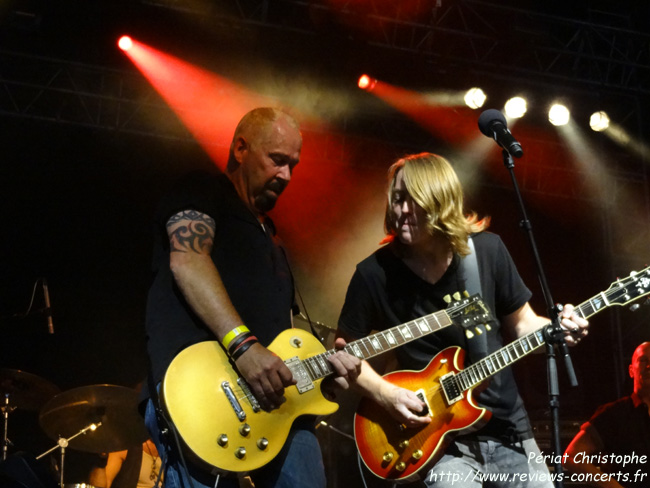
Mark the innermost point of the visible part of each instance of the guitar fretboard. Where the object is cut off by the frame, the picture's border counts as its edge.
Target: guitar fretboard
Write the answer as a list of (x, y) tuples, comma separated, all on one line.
[(466, 312), (319, 367), (619, 293)]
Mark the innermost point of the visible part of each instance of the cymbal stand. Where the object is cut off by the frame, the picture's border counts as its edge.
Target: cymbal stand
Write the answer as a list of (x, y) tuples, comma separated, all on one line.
[(63, 444), (6, 410)]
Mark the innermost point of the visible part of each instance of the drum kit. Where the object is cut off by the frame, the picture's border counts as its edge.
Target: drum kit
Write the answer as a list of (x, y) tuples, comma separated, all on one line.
[(93, 419)]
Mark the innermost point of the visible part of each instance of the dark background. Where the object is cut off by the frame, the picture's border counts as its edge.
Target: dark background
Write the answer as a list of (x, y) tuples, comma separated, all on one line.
[(88, 149)]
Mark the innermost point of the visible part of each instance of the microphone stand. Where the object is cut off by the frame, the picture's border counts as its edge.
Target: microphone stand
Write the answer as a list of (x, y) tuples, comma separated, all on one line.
[(62, 444), (553, 333)]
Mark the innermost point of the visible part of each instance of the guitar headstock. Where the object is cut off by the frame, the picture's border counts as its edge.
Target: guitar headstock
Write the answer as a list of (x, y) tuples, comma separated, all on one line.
[(626, 290), (469, 311)]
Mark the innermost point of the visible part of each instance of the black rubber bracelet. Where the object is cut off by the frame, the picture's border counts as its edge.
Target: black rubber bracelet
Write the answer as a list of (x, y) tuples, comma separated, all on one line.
[(237, 341), (237, 354)]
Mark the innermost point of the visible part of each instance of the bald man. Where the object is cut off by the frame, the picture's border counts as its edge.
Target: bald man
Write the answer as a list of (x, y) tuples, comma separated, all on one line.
[(612, 450), (221, 274)]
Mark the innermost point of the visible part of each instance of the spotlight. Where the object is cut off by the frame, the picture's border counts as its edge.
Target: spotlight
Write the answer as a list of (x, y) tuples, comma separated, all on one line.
[(559, 115), (515, 107), (367, 83), (475, 98), (125, 43), (599, 121)]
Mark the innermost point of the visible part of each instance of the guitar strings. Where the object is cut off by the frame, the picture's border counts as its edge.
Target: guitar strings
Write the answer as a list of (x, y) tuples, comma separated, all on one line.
[(241, 394)]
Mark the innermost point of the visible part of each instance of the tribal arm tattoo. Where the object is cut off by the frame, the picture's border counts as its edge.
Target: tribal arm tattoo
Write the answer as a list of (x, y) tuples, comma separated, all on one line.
[(191, 231)]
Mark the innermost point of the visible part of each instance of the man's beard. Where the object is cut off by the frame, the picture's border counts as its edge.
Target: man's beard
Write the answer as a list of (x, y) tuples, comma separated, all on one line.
[(265, 202), (267, 198)]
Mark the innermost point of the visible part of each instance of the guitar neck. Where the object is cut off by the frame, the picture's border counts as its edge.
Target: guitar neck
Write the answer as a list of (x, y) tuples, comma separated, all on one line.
[(368, 347), (504, 357), (620, 293)]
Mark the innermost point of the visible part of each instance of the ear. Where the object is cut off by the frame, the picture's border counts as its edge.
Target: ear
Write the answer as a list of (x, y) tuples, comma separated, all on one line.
[(240, 147), (630, 371)]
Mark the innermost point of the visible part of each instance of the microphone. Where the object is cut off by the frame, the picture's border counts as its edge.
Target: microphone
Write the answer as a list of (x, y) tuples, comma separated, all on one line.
[(493, 124), (48, 308)]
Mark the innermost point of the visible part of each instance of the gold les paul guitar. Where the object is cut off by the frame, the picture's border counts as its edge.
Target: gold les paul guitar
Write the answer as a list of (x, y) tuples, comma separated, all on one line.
[(394, 452), (219, 419)]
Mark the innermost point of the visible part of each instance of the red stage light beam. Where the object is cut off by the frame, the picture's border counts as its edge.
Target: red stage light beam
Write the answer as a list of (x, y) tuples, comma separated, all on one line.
[(208, 105)]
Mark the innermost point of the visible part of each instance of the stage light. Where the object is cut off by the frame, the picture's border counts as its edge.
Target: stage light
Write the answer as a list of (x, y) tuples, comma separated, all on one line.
[(475, 98), (125, 43), (559, 115), (367, 83), (599, 121), (516, 107)]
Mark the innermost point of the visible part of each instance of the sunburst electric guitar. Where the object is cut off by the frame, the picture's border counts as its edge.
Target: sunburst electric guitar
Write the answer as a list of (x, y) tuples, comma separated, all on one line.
[(220, 421), (394, 452)]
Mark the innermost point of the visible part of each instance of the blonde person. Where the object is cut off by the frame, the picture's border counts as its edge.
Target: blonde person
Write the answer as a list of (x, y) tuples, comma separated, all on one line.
[(409, 277)]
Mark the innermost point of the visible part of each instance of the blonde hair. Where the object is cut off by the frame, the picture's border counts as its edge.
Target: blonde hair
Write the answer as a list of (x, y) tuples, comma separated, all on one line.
[(433, 184)]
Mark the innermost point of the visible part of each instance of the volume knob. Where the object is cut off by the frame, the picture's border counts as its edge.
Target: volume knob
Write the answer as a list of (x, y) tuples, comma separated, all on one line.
[(222, 440), (387, 457), (240, 452), (244, 429), (262, 443)]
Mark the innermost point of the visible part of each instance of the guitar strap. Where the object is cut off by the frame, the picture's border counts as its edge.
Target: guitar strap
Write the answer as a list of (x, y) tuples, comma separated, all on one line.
[(296, 309), (167, 431), (470, 270), (477, 346)]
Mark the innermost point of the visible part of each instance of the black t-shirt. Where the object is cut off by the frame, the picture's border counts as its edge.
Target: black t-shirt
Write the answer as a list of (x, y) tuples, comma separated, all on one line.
[(248, 256), (384, 292), (623, 429)]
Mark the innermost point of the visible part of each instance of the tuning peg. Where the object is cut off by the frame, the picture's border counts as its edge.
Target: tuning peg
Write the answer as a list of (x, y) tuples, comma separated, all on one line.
[(447, 298), (635, 306), (478, 330), (466, 294), (488, 327), (456, 296), (469, 334)]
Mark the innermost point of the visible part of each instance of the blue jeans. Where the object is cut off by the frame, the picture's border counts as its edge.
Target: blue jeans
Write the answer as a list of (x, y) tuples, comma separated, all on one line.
[(299, 463), (474, 464)]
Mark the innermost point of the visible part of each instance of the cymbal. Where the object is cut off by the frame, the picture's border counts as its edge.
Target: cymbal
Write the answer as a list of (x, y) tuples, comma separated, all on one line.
[(26, 390), (116, 407)]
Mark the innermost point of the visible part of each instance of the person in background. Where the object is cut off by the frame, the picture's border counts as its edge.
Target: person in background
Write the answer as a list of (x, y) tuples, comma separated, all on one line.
[(612, 449)]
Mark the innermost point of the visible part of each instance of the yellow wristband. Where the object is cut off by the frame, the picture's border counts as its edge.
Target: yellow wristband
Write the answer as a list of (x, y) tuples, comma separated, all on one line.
[(228, 338)]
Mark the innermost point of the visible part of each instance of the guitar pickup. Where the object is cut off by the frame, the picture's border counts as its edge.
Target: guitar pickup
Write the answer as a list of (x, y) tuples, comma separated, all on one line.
[(453, 392), (300, 374)]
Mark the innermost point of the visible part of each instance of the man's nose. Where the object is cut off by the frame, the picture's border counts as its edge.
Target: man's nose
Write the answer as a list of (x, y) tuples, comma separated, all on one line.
[(284, 173)]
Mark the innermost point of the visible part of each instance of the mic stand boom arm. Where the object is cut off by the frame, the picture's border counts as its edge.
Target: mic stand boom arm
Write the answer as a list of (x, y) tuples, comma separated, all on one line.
[(553, 333)]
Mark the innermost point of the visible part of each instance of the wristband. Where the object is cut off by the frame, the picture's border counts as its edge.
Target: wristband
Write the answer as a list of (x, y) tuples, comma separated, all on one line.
[(227, 339), (243, 348), (237, 341), (245, 339)]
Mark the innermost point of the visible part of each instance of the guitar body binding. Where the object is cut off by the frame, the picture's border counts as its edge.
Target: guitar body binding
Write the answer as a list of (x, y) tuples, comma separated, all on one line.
[(391, 451)]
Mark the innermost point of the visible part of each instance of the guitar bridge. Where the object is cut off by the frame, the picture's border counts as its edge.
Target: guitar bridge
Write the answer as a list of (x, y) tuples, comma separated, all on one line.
[(450, 386), (234, 403), (255, 405)]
